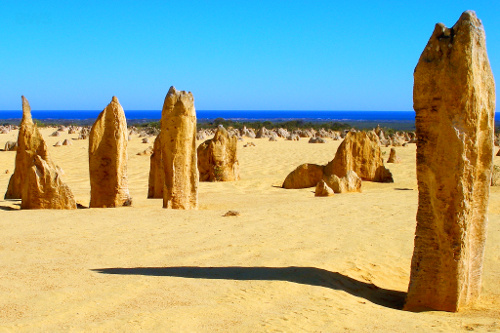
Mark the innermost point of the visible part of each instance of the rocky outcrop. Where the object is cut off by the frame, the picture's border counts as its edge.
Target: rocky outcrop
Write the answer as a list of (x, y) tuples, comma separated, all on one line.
[(156, 172), (349, 183), (108, 158), (393, 158), (360, 152), (316, 139), (178, 141), (10, 146), (306, 175), (454, 100), (217, 158), (29, 144), (36, 179), (323, 190), (44, 188)]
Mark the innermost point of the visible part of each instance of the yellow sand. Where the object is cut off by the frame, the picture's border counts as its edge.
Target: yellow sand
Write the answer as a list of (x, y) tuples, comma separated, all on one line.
[(290, 262)]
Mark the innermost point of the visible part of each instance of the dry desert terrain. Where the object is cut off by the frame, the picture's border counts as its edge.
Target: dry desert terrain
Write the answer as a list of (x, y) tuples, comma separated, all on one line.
[(290, 262)]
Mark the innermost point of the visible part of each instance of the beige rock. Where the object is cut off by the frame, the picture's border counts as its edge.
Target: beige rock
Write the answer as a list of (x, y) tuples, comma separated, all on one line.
[(217, 158), (178, 141), (44, 188), (360, 152), (58, 144), (108, 158), (495, 176), (349, 183), (306, 175), (156, 171), (29, 144), (393, 158), (146, 152), (10, 146), (454, 100), (67, 142), (323, 190)]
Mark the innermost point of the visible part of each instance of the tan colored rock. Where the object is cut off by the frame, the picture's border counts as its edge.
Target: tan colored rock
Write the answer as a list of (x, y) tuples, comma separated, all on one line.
[(360, 152), (44, 188), (67, 142), (495, 176), (29, 144), (178, 141), (323, 190), (10, 146), (305, 175), (156, 171), (217, 158), (108, 158), (349, 183), (454, 100), (146, 152), (58, 144), (393, 158)]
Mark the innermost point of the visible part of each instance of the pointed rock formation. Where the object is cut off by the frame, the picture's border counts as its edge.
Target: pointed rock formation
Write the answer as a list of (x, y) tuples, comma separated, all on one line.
[(360, 152), (323, 190), (36, 179), (178, 141), (454, 100), (217, 158), (393, 158), (44, 188), (156, 171), (29, 144), (108, 158), (306, 175)]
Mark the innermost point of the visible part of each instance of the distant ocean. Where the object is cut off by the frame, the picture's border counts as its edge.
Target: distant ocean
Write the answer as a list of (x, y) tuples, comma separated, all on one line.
[(342, 116), (154, 115)]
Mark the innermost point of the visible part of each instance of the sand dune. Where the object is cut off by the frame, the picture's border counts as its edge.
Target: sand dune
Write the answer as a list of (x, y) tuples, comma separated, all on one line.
[(290, 262)]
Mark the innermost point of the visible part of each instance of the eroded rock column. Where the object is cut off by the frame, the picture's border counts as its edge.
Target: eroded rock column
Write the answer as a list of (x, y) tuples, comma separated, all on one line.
[(217, 158), (454, 100), (178, 141), (108, 158)]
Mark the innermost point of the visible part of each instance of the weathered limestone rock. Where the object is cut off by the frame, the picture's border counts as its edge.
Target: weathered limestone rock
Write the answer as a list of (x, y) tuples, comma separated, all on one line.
[(217, 158), (393, 158), (108, 158), (44, 188), (10, 146), (306, 175), (178, 141), (156, 171), (360, 152), (495, 176), (454, 100), (349, 183), (317, 139), (323, 190), (29, 144), (36, 180)]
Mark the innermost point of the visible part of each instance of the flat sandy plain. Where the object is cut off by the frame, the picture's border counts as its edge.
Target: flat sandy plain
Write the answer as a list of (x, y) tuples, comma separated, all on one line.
[(290, 262)]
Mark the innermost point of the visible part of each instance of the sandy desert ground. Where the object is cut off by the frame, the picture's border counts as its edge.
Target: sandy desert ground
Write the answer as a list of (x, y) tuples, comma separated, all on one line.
[(290, 262)]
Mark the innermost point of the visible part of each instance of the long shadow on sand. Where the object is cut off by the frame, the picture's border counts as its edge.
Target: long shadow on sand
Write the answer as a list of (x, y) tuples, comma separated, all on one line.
[(301, 275)]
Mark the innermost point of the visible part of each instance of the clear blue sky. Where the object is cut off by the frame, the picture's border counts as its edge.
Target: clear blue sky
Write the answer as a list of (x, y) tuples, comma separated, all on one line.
[(233, 55)]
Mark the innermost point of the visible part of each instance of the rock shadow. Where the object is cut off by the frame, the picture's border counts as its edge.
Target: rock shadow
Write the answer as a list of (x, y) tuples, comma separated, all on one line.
[(302, 275)]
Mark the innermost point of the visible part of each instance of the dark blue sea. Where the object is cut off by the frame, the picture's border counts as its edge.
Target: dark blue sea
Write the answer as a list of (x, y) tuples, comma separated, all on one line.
[(242, 115), (385, 116)]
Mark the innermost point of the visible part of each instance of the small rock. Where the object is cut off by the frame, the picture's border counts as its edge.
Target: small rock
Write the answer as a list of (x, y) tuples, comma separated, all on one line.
[(231, 213)]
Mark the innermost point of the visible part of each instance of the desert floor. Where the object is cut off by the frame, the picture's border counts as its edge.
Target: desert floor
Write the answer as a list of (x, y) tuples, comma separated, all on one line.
[(290, 262)]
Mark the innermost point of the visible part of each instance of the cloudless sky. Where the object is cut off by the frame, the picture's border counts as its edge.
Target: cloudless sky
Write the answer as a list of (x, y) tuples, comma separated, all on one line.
[(233, 55)]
